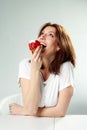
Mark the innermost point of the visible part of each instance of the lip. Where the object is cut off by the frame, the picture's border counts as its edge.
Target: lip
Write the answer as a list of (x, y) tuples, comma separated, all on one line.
[(42, 42)]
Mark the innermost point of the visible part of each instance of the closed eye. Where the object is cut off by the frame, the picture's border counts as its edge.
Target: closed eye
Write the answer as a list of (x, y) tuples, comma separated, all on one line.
[(42, 33), (52, 35)]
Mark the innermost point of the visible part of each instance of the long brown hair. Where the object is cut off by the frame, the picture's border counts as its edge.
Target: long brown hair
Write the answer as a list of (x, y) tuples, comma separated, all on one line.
[(66, 52)]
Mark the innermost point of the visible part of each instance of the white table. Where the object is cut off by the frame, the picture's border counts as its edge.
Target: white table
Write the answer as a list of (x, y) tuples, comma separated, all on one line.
[(69, 122), (8, 122)]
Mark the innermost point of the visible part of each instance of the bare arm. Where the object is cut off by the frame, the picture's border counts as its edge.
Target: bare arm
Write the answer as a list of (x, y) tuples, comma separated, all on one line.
[(31, 93), (61, 108), (31, 88)]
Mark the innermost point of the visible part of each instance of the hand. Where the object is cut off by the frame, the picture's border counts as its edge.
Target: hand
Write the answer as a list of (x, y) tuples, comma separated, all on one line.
[(36, 61)]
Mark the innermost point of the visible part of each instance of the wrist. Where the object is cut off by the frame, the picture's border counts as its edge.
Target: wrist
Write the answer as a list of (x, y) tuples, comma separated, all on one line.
[(33, 70), (35, 73)]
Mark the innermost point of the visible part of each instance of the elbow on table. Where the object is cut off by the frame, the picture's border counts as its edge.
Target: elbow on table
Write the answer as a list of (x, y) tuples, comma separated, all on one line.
[(60, 114)]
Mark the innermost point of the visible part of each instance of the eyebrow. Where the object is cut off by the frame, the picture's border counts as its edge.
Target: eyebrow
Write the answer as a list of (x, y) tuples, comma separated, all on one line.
[(49, 31)]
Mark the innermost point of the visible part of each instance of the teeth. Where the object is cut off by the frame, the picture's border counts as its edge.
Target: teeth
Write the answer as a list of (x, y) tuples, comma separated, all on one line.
[(43, 43)]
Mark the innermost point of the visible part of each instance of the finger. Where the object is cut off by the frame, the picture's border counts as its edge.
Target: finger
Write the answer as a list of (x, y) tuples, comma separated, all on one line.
[(37, 50), (32, 54), (37, 53), (38, 56)]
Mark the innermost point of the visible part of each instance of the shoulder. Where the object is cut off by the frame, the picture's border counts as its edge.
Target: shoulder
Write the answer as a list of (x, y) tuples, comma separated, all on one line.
[(66, 76), (24, 69), (66, 66), (24, 62)]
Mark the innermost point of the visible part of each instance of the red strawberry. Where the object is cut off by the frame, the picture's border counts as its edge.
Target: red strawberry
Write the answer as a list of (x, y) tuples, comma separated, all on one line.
[(33, 45)]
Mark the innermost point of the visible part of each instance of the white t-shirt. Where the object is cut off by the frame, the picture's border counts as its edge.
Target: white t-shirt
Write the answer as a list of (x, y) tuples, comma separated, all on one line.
[(54, 83)]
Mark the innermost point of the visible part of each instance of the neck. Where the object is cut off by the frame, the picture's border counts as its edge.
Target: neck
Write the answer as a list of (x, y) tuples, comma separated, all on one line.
[(45, 63)]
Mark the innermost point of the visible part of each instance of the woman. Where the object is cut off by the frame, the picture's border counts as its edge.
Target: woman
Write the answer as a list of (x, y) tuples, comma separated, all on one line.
[(47, 81)]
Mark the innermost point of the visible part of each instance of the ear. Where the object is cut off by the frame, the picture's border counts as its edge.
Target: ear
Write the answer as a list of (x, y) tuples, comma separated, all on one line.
[(58, 48)]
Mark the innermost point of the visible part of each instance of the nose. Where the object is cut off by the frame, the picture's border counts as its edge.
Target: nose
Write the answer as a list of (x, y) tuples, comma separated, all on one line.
[(43, 36)]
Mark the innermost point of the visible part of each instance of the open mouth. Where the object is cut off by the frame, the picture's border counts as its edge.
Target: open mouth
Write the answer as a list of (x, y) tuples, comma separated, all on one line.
[(42, 43)]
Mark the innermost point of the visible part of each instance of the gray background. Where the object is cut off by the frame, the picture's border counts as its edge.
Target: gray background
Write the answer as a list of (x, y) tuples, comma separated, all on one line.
[(20, 21)]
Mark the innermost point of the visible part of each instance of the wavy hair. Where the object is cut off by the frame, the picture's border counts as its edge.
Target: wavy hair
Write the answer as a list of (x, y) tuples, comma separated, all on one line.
[(66, 52)]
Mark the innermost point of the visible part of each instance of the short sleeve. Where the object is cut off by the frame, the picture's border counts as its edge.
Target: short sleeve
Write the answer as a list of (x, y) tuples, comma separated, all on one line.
[(24, 69), (66, 75)]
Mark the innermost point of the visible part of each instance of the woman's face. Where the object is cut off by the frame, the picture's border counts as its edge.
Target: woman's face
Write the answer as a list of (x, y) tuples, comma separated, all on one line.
[(49, 38)]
